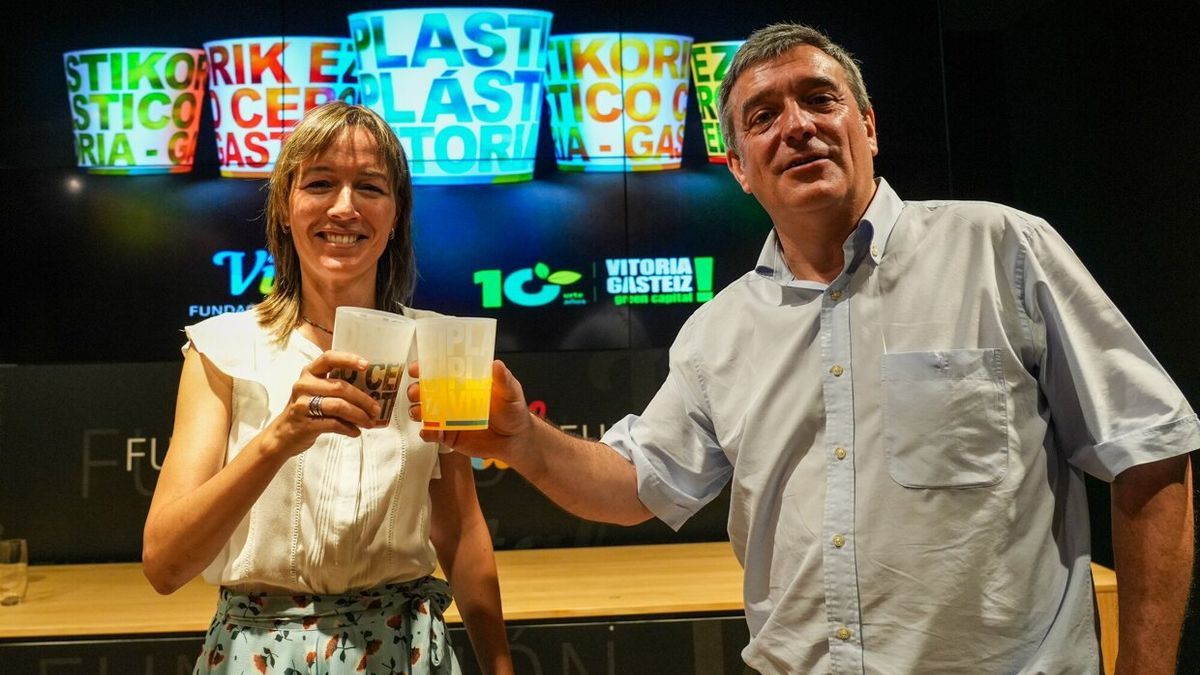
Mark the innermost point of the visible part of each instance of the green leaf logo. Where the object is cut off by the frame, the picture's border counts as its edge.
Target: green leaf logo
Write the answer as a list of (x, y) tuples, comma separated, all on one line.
[(541, 270), (564, 277)]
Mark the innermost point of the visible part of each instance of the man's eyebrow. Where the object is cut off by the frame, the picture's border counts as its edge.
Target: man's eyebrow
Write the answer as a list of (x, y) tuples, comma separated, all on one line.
[(798, 84)]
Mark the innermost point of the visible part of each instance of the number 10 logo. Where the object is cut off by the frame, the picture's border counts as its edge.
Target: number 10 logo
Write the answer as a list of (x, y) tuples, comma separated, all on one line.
[(529, 287)]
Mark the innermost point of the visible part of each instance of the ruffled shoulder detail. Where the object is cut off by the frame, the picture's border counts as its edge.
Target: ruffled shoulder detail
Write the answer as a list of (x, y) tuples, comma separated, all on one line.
[(233, 342)]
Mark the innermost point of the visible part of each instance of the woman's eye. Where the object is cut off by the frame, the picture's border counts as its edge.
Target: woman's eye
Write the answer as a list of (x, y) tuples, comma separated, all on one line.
[(316, 185)]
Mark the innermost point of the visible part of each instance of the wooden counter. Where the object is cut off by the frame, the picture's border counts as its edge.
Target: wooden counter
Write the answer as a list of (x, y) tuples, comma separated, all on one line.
[(115, 599), (74, 601), (1106, 603)]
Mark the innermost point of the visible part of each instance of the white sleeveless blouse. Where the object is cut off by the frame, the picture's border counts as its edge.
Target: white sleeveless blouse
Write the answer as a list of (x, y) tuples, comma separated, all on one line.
[(344, 515)]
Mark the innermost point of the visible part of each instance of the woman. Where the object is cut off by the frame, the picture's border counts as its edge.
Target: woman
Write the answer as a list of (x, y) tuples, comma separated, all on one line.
[(320, 526)]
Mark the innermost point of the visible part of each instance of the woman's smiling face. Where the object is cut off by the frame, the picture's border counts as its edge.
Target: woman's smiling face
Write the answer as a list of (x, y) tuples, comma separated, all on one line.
[(342, 209)]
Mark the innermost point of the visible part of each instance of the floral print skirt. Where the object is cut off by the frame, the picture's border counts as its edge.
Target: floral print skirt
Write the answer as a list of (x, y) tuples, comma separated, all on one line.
[(390, 630)]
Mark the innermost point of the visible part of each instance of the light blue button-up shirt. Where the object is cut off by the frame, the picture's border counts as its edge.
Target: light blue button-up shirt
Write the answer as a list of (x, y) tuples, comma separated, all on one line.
[(907, 443)]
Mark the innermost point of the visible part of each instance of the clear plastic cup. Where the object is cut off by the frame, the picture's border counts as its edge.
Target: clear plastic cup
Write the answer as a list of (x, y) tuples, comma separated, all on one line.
[(14, 571), (455, 355), (383, 339)]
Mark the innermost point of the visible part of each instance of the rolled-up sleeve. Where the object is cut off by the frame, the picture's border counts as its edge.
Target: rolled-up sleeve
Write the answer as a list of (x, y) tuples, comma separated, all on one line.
[(680, 466), (1112, 406)]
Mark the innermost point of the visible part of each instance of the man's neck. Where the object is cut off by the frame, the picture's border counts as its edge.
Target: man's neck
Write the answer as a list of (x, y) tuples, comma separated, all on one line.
[(813, 250), (811, 260), (813, 243)]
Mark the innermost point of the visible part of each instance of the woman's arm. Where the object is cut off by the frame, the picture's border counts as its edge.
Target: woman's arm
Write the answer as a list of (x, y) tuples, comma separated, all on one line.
[(464, 549), (198, 502)]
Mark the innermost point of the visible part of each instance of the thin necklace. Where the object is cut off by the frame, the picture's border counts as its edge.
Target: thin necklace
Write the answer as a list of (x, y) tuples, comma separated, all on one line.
[(316, 325)]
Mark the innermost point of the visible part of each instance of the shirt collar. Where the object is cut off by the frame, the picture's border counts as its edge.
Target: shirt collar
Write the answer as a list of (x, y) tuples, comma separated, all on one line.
[(878, 222)]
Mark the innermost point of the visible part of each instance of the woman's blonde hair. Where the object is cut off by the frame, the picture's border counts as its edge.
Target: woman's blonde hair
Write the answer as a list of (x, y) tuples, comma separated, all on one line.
[(279, 312)]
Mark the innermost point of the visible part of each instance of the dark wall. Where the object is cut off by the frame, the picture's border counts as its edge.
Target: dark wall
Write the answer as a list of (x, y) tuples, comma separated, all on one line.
[(105, 270), (1082, 113), (1077, 112)]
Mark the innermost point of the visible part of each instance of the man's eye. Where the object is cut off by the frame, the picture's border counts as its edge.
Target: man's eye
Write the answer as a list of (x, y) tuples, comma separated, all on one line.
[(761, 117)]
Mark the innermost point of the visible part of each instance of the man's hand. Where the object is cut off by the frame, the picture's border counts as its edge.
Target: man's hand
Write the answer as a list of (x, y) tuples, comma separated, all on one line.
[(584, 477), (509, 421)]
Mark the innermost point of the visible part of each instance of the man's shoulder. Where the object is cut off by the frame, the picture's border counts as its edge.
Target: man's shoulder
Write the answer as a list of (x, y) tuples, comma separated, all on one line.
[(967, 211), (724, 307)]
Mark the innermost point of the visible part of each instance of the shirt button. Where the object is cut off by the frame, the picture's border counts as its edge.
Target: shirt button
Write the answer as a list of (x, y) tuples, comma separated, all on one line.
[(835, 295), (843, 633), (840, 453), (875, 251), (837, 370), (838, 541)]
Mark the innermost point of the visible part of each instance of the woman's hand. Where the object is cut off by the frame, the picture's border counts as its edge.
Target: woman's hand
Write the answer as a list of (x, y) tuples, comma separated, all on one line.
[(340, 408)]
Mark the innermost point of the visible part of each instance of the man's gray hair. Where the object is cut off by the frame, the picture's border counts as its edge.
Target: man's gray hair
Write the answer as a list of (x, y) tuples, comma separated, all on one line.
[(772, 42)]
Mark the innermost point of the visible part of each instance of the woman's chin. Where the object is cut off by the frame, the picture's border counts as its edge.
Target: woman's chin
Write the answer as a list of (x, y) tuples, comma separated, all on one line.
[(339, 271)]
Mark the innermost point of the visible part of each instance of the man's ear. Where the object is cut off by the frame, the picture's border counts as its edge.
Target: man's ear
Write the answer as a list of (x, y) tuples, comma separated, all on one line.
[(872, 133), (734, 164)]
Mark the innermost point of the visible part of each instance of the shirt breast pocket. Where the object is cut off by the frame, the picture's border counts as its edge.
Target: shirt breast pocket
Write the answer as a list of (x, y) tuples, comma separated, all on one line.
[(945, 418)]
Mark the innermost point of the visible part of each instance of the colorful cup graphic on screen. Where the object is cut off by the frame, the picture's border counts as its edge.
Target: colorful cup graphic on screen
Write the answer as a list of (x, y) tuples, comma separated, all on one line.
[(618, 100), (710, 61), (461, 87), (136, 110), (260, 88)]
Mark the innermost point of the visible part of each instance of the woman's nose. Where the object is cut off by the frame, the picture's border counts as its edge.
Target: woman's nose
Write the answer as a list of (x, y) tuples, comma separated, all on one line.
[(343, 204)]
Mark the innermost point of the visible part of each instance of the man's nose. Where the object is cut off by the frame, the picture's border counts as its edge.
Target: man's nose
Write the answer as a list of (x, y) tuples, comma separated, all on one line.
[(798, 122)]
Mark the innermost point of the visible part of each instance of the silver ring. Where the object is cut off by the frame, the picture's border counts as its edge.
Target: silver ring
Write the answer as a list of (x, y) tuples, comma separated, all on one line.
[(314, 407)]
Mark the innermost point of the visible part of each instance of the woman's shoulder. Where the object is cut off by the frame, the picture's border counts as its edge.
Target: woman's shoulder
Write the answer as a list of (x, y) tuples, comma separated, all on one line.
[(229, 340), (231, 327)]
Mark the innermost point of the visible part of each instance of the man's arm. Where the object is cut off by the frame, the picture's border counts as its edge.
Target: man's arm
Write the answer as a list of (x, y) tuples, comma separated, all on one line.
[(1153, 547), (584, 477)]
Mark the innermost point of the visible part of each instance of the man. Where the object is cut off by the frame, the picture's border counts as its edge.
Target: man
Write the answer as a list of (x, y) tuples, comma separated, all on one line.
[(905, 396)]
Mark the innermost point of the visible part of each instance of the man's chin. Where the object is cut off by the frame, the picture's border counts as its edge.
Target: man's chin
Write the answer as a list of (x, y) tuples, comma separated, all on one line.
[(815, 195)]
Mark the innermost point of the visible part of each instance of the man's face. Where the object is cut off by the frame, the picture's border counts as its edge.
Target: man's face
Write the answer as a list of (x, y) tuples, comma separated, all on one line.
[(804, 147)]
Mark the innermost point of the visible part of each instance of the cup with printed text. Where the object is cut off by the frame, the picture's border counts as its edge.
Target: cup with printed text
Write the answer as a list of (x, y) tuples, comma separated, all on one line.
[(710, 62), (618, 101), (135, 110), (383, 339), (261, 87), (461, 87), (455, 355)]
